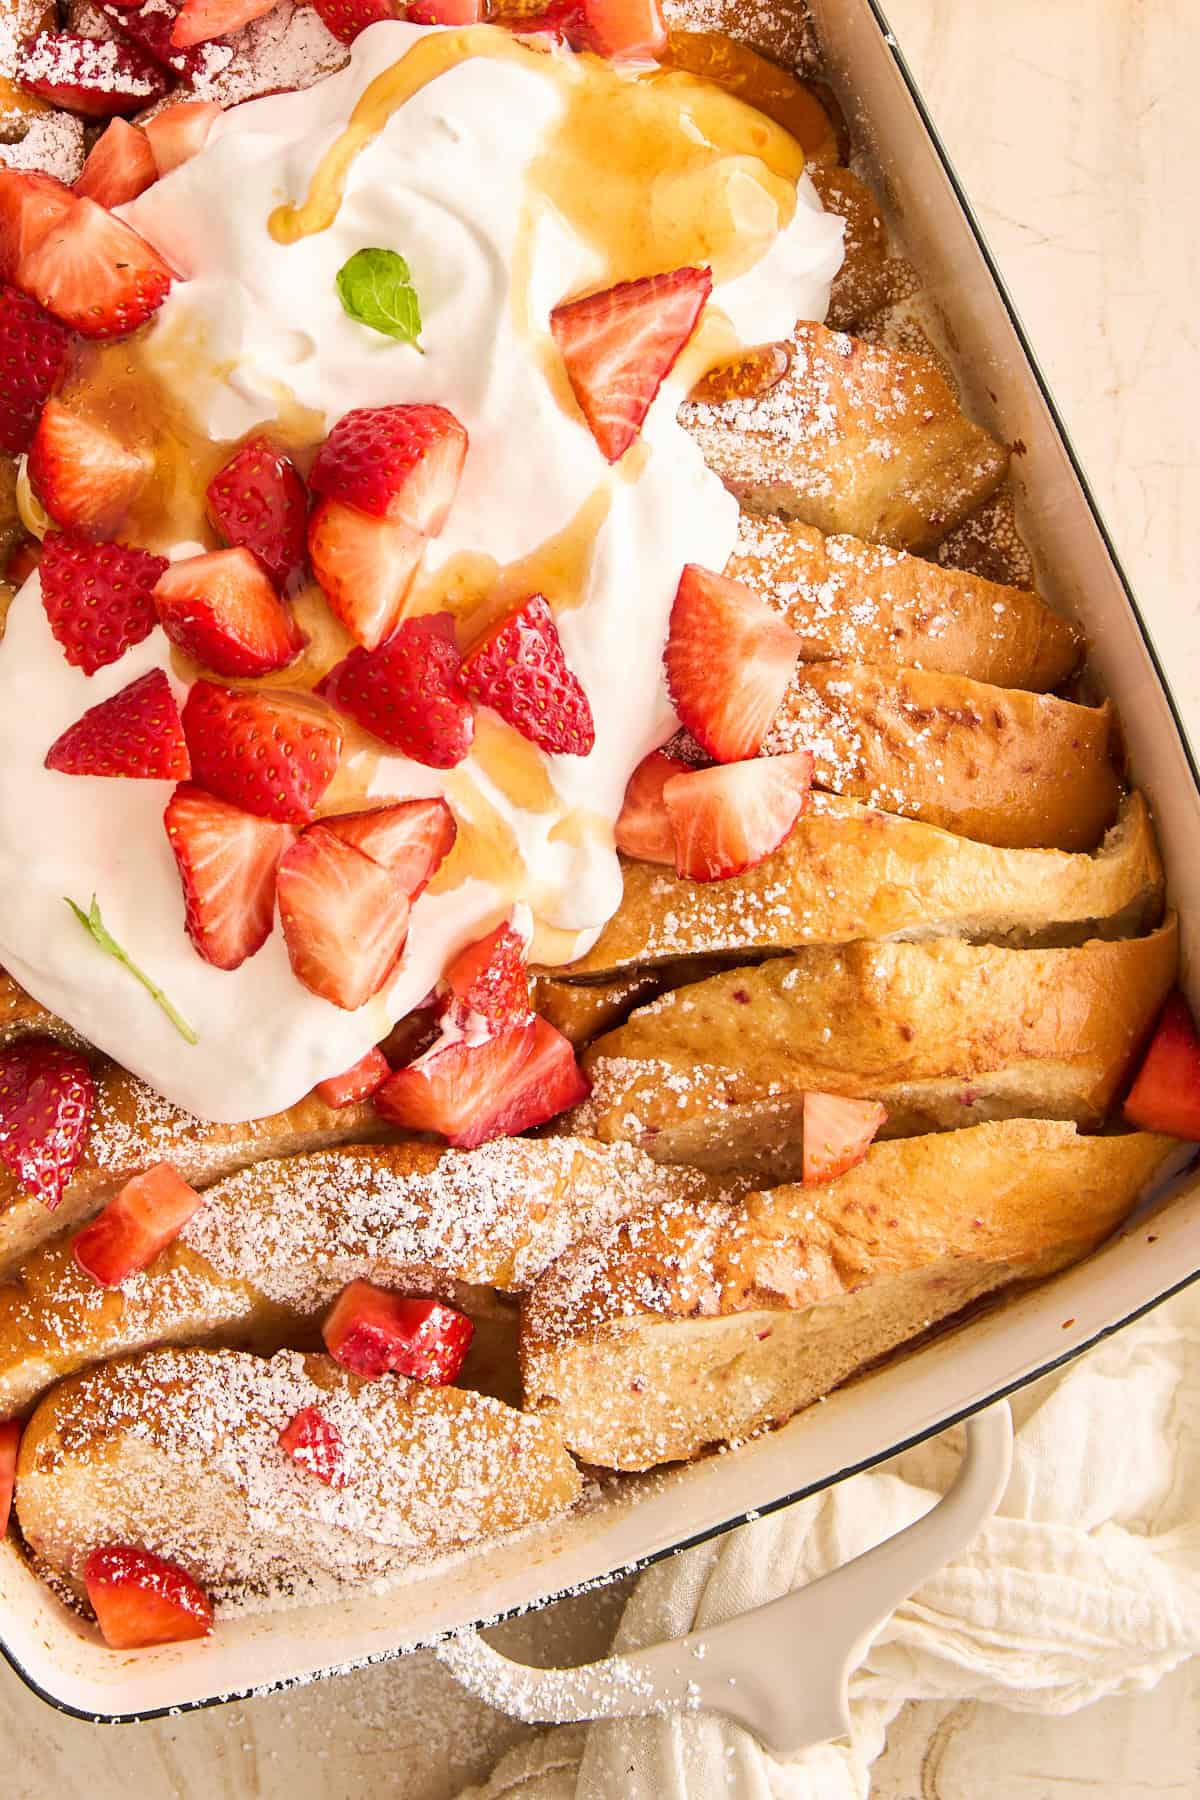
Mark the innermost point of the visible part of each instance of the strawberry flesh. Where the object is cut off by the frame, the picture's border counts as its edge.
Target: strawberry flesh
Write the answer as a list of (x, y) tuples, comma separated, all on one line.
[(356, 1083), (148, 1214), (149, 26), (10, 1443), (412, 838), (491, 978), (46, 1099), (1165, 1095), (180, 131), (136, 734), (269, 752), (92, 76), (257, 502), (394, 462), (95, 273), (141, 1599), (409, 692), (365, 568), (227, 862), (524, 1075), (728, 818), (347, 18), (729, 660), (374, 1333), (200, 21), (120, 166), (30, 203), (316, 1445), (837, 1134), (84, 477), (624, 28), (445, 12), (221, 609), (33, 350), (643, 828), (344, 917), (520, 671), (97, 597)]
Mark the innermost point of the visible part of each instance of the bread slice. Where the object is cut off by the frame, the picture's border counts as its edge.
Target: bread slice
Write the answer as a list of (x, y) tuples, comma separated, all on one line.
[(582, 1010), (23, 1016), (701, 1323), (868, 277), (783, 34), (177, 1451)]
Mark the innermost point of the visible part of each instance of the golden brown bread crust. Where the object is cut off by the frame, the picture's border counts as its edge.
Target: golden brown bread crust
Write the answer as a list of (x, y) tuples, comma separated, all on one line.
[(868, 277), (783, 34), (23, 1016)]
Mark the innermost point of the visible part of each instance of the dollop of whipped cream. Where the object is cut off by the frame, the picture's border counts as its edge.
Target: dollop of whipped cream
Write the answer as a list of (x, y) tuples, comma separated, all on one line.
[(257, 333)]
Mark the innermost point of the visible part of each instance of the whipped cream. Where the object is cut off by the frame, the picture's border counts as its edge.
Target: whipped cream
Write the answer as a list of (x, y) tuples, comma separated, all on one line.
[(259, 330)]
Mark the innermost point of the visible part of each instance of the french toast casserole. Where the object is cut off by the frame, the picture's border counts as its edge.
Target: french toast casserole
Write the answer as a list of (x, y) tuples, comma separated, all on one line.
[(563, 892)]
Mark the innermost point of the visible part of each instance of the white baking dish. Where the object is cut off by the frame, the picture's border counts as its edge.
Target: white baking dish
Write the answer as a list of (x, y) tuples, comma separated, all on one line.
[(956, 1374)]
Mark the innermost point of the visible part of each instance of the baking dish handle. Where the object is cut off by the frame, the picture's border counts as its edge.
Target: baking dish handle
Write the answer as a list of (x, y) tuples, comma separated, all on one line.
[(756, 1669)]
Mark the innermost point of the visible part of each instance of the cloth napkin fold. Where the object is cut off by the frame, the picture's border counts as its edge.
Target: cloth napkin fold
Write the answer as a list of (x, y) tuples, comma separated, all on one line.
[(1085, 1583)]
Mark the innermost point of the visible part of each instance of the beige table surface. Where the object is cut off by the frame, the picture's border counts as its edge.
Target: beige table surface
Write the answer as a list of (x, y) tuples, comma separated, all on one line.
[(1076, 126)]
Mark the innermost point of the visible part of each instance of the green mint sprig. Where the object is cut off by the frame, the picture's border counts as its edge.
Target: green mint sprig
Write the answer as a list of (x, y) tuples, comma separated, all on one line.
[(375, 288), (94, 924)]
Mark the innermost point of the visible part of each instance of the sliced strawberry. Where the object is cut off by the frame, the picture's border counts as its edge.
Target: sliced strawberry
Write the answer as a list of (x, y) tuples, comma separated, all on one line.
[(409, 692), (357, 1083), (837, 1134), (95, 273), (135, 734), (221, 609), (412, 838), (97, 597), (10, 1443), (258, 501), (491, 978), (365, 567), (84, 477), (22, 562), (46, 1098), (149, 26), (344, 917), (728, 818), (623, 28), (227, 860), (1165, 1095), (519, 669), (394, 462), (148, 1214), (643, 828), (269, 752), (445, 12), (33, 349), (316, 1445), (180, 131), (93, 76), (375, 1333), (200, 21), (30, 203), (141, 1599), (120, 166), (729, 660), (619, 346), (469, 1093), (347, 18)]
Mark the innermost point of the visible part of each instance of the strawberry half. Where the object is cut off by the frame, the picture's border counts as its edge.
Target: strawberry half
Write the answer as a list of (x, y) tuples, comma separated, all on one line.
[(619, 346), (269, 752), (409, 692), (30, 203), (84, 477), (97, 597), (257, 501), (365, 567), (643, 827), (10, 1443), (180, 131), (375, 1333), (316, 1445), (356, 1083), (1165, 1095), (394, 462), (222, 610), (347, 18), (837, 1134), (120, 166), (227, 861), (95, 273), (135, 734), (344, 917), (200, 21), (491, 978), (148, 1214), (93, 76), (412, 838), (624, 28), (445, 12), (470, 1093), (729, 660), (46, 1099), (519, 669), (33, 349), (728, 818), (141, 1599)]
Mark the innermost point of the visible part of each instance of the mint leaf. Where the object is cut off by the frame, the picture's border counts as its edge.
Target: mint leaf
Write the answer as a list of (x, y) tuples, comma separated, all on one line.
[(375, 287), (93, 923)]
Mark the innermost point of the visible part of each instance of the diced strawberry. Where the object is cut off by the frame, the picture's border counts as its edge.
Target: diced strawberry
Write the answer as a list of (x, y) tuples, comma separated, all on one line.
[(643, 828), (258, 501), (141, 1599), (729, 660), (347, 18), (84, 477), (95, 273), (376, 1333), (520, 670), (22, 562), (149, 26), (200, 21), (148, 1214), (30, 203), (221, 609), (837, 1134), (409, 692), (33, 349), (358, 1082), (344, 917), (365, 567), (412, 838), (46, 1099), (316, 1445), (120, 166), (728, 818), (1165, 1095), (491, 978), (10, 1443), (135, 734), (227, 861), (624, 28), (445, 12), (469, 1093), (93, 76), (97, 597), (180, 131), (394, 462), (619, 346), (269, 752)]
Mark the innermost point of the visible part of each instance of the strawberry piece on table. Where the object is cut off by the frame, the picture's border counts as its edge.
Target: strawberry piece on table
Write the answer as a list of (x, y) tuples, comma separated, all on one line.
[(643, 828), (227, 861), (269, 752), (135, 734), (221, 609), (365, 567), (84, 477), (728, 818), (445, 12), (356, 1083), (729, 660), (30, 203), (1165, 1095), (141, 1599), (316, 1445), (347, 18), (491, 978), (180, 131), (95, 273), (97, 597), (470, 1093), (394, 462), (837, 1134), (33, 349), (257, 501), (619, 346), (200, 21), (93, 76), (519, 670), (624, 28), (412, 838), (10, 1443), (148, 1214), (409, 692), (46, 1099), (344, 917), (120, 166), (374, 1333)]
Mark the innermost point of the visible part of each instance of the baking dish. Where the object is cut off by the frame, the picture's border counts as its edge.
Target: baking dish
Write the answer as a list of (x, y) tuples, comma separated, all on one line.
[(951, 1377)]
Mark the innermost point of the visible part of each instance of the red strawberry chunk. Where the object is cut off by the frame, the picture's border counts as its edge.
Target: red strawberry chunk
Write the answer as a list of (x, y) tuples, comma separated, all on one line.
[(200, 21), (491, 978), (409, 692), (394, 462), (624, 28), (412, 838), (227, 861), (95, 273), (316, 1445), (729, 660), (120, 166), (346, 18), (643, 828), (141, 1599), (84, 477), (619, 346), (837, 1134), (445, 12), (148, 1214), (136, 734), (29, 205), (375, 1333), (269, 752), (149, 26), (365, 567), (345, 918), (93, 76), (519, 669), (469, 1093), (97, 597), (33, 349), (221, 609), (358, 1082), (1165, 1095), (258, 501), (46, 1098), (180, 131), (728, 818), (10, 1443)]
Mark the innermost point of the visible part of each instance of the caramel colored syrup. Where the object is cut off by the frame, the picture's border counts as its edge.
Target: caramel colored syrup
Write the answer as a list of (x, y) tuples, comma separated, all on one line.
[(746, 376)]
